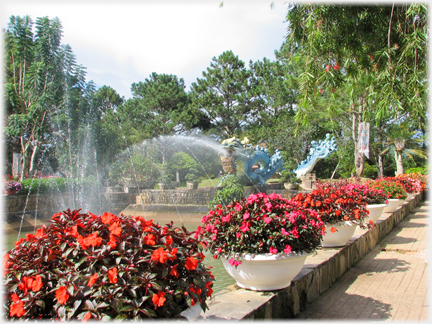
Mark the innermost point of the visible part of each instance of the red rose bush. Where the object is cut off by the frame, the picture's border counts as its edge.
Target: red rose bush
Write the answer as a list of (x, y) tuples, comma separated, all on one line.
[(260, 224), (108, 267)]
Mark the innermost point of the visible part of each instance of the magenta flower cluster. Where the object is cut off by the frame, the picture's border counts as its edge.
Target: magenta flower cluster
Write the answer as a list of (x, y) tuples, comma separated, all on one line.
[(260, 224)]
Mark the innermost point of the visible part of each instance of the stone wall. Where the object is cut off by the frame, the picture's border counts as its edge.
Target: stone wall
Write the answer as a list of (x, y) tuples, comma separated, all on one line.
[(200, 196), (46, 205)]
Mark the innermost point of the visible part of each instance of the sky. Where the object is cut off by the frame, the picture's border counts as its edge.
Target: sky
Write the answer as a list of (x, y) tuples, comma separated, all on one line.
[(122, 42)]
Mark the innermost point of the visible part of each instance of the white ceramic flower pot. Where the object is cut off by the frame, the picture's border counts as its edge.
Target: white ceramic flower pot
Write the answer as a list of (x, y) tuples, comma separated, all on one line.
[(192, 313), (266, 271), (392, 205), (375, 212), (340, 237)]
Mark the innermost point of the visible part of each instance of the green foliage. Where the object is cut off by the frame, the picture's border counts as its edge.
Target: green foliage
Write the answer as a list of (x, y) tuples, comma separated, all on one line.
[(288, 176), (54, 185), (421, 170), (184, 164), (191, 177), (224, 94), (231, 190)]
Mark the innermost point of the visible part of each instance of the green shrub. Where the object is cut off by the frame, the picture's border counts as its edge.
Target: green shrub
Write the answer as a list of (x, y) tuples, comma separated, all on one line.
[(46, 185), (231, 190)]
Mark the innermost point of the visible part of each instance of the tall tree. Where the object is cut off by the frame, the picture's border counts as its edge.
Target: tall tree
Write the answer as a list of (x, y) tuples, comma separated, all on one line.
[(32, 81), (374, 56), (223, 94), (164, 105)]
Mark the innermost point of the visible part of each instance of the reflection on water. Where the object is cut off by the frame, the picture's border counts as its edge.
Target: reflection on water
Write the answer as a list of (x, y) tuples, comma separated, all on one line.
[(222, 278)]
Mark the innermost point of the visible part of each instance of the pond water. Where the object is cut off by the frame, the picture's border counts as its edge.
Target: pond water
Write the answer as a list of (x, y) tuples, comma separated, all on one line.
[(222, 279)]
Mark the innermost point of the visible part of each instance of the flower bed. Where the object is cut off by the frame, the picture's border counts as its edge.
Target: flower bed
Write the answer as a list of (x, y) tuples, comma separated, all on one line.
[(85, 266)]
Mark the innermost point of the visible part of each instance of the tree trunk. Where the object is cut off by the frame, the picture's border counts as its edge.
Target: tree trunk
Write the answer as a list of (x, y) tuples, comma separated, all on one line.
[(32, 159), (24, 148), (380, 166), (399, 164), (399, 147), (359, 158)]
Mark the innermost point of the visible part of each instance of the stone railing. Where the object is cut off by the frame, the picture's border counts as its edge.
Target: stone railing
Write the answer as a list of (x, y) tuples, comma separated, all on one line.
[(319, 273), (200, 196)]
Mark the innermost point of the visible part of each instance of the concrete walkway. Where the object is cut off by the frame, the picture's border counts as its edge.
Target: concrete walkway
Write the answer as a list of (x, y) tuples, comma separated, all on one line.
[(389, 284)]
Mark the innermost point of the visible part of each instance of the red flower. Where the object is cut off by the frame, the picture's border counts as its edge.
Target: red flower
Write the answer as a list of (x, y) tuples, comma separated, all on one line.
[(62, 295), (159, 299), (168, 240), (37, 283), (81, 241), (321, 90), (112, 275), (159, 255), (108, 218), (92, 280), (174, 272), (336, 67), (149, 239), (112, 242), (191, 263), (87, 317), (93, 240), (333, 229), (17, 308), (30, 283), (328, 67), (115, 229), (19, 242), (173, 253), (40, 232)]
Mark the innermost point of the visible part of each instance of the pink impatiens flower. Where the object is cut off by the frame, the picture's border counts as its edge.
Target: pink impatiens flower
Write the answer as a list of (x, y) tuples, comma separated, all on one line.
[(233, 262), (273, 250), (246, 216), (268, 220), (287, 249)]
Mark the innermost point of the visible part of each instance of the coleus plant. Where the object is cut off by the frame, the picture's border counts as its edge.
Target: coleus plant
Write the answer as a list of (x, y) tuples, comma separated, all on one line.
[(335, 204), (260, 224), (84, 266)]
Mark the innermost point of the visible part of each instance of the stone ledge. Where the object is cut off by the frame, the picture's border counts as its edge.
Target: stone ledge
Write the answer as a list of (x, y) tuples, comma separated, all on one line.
[(319, 273)]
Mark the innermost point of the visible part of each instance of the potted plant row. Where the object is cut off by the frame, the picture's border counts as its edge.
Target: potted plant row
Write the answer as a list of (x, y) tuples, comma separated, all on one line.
[(84, 266)]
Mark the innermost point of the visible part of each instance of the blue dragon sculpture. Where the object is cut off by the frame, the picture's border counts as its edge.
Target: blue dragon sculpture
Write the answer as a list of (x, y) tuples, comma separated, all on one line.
[(242, 156), (319, 150)]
